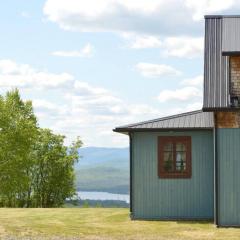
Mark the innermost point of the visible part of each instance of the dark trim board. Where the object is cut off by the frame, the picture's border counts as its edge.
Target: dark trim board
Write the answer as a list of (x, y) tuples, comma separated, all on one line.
[(227, 109), (228, 226), (175, 219), (232, 53), (159, 129), (222, 16), (216, 177), (130, 168)]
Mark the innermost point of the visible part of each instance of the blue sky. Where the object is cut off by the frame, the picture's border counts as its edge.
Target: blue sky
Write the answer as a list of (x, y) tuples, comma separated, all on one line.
[(91, 66)]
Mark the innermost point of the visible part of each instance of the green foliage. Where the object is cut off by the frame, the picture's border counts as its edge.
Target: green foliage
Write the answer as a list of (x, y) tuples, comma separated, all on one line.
[(36, 168), (85, 204), (79, 203), (53, 170), (99, 205)]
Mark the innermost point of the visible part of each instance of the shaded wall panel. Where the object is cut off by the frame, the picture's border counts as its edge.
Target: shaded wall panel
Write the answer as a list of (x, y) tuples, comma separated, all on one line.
[(231, 34), (228, 141), (156, 198)]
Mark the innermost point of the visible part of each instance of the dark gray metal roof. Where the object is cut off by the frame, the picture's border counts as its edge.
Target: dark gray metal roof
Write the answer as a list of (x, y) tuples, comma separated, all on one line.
[(190, 120), (216, 67)]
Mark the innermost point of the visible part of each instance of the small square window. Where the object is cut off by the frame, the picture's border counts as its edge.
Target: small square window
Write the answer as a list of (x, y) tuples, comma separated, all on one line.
[(174, 157)]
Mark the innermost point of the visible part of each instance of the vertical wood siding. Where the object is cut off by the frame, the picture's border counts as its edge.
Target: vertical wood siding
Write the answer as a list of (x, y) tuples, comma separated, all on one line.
[(229, 176), (155, 198)]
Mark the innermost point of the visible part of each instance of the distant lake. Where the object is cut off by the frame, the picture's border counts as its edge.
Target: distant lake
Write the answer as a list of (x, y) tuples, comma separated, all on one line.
[(103, 196)]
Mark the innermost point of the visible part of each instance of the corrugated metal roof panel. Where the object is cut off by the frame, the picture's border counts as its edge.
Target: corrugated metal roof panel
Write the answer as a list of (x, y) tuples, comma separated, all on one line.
[(216, 67), (231, 35), (189, 120)]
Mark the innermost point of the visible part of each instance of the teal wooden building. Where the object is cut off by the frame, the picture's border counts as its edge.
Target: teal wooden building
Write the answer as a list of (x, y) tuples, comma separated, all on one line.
[(187, 166)]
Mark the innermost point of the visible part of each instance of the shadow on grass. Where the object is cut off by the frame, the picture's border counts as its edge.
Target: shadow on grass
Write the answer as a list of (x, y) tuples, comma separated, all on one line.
[(206, 222), (178, 221)]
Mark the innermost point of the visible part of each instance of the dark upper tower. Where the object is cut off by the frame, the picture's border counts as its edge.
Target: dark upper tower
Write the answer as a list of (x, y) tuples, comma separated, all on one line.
[(222, 63)]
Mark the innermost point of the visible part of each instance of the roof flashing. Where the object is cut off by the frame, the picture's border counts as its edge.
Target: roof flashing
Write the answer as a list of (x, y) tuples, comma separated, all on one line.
[(222, 16)]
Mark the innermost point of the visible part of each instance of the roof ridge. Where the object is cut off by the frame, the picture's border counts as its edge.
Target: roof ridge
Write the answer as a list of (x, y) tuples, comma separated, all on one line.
[(163, 118)]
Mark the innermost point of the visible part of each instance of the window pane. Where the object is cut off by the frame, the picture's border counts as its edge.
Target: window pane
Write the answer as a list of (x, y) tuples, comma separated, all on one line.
[(180, 147), (180, 161), (168, 146), (168, 161), (174, 157)]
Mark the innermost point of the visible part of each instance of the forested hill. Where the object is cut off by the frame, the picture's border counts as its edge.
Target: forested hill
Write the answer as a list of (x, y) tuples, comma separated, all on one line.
[(103, 169), (92, 156)]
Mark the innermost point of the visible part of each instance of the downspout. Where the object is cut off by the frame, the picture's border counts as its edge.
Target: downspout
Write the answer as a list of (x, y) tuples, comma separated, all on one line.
[(130, 168), (216, 189)]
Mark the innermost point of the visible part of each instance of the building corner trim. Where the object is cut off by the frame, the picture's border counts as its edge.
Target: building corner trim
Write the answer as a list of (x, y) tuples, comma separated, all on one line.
[(130, 168), (216, 177)]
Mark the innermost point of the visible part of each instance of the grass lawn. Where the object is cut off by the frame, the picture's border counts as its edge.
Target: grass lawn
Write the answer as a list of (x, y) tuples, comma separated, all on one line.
[(100, 223)]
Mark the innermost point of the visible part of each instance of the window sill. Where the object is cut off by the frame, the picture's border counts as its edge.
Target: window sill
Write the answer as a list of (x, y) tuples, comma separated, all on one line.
[(175, 175)]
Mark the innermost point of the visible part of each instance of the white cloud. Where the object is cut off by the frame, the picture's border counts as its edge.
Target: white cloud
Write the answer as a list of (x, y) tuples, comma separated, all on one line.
[(193, 106), (142, 41), (174, 26), (95, 113), (195, 81), (86, 51), (200, 8), (172, 17), (188, 47), (95, 9), (180, 46), (77, 107), (43, 106), (142, 109), (182, 94), (83, 88), (144, 16), (156, 70), (13, 74), (186, 108), (81, 108)]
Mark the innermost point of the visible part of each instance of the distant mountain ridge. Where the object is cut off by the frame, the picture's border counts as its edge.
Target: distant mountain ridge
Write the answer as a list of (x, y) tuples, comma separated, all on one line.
[(103, 169)]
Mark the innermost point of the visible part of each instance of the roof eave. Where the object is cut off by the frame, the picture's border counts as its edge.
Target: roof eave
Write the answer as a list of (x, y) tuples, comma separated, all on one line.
[(127, 130), (121, 130)]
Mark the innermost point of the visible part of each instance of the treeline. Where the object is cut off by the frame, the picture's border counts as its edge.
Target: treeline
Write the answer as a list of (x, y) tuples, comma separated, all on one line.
[(96, 203), (36, 169)]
